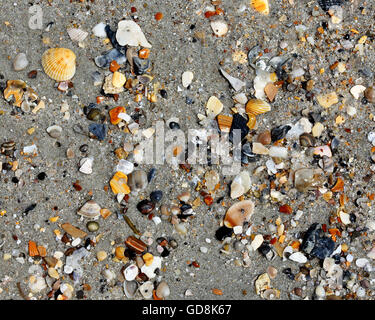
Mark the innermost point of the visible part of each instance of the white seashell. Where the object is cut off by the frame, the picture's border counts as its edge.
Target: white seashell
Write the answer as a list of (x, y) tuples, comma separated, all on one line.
[(298, 257), (129, 33), (131, 272), (89, 210), (357, 90), (240, 185), (240, 98), (20, 62), (54, 131), (187, 78), (146, 289), (30, 149), (214, 107), (125, 166), (259, 148), (149, 270), (257, 242), (109, 275), (99, 30), (219, 27), (37, 284), (234, 82), (361, 263), (86, 165), (77, 35)]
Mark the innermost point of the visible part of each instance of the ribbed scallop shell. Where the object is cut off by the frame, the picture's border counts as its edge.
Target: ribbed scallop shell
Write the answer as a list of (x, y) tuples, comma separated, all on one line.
[(77, 34), (59, 63), (261, 6), (257, 106)]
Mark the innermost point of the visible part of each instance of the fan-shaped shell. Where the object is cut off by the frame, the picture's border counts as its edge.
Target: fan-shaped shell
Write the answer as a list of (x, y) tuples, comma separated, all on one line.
[(77, 34), (257, 106), (59, 63), (90, 210)]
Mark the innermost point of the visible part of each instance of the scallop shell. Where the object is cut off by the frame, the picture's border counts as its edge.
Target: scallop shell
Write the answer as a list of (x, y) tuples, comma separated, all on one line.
[(239, 213), (89, 210), (59, 63), (77, 34), (257, 106), (261, 6)]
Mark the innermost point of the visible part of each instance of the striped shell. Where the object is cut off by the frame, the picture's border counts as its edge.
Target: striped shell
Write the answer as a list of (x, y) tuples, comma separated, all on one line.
[(257, 106), (77, 34), (59, 63), (261, 6)]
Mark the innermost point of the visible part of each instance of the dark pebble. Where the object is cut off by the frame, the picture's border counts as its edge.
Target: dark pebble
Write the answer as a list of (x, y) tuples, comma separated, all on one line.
[(32, 74), (174, 125), (80, 294), (15, 180), (41, 176), (29, 208), (140, 65), (239, 122), (84, 148), (223, 232), (151, 175), (164, 93), (156, 195), (98, 130)]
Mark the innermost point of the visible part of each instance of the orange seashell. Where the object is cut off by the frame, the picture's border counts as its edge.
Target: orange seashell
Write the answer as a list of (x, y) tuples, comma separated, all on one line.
[(339, 185), (286, 209), (59, 63), (42, 251), (224, 122), (33, 250), (252, 121), (114, 66), (105, 213), (113, 114), (118, 183), (261, 6), (154, 296), (218, 292), (144, 53), (257, 106), (239, 213)]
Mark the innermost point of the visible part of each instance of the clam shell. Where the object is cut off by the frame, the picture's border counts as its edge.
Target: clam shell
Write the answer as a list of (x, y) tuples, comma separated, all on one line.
[(163, 291), (261, 6), (54, 131), (214, 107), (239, 213), (89, 210), (257, 106), (138, 180), (219, 27), (77, 34), (129, 33), (130, 288), (59, 63), (131, 272), (146, 289)]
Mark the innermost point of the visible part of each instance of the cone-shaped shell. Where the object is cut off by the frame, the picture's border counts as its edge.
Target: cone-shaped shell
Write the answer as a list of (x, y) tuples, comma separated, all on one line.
[(261, 6), (59, 63), (239, 213), (257, 106)]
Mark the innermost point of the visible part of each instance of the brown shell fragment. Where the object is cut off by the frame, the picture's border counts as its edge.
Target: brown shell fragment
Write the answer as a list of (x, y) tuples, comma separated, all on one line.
[(73, 231), (135, 244), (339, 185), (239, 213), (224, 122)]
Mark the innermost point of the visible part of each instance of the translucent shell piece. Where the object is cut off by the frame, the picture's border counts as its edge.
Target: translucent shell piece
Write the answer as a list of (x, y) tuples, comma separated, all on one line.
[(239, 213), (257, 106), (118, 183), (252, 121), (59, 63), (261, 6), (90, 210)]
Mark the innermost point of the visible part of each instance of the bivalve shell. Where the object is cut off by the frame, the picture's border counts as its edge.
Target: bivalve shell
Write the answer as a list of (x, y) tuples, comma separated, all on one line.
[(214, 107), (163, 291), (146, 289), (131, 272), (129, 33), (59, 63), (219, 27), (90, 210), (130, 288), (77, 35), (239, 213), (257, 106)]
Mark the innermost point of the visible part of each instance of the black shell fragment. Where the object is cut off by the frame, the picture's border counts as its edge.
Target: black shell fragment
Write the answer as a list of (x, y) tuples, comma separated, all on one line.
[(317, 245), (326, 4)]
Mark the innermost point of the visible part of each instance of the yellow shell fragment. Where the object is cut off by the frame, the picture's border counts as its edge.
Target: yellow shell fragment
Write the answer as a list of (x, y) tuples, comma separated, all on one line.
[(59, 63), (214, 107), (261, 6), (118, 183), (257, 106), (327, 100)]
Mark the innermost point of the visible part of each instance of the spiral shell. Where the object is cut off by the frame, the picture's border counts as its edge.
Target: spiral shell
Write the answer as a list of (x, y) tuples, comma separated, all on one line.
[(257, 106), (59, 63)]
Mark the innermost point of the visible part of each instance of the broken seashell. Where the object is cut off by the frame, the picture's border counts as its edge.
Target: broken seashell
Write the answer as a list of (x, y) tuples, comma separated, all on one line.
[(146, 289), (271, 294), (59, 63), (224, 122), (138, 180), (77, 34), (114, 114), (262, 283), (214, 107), (240, 185), (130, 288), (327, 100), (99, 30), (20, 62), (131, 272), (105, 60), (234, 82), (187, 78), (54, 131), (15, 89), (357, 90), (129, 33), (86, 165), (163, 291), (118, 79), (239, 213), (89, 210), (118, 183), (219, 27), (108, 86), (261, 6), (257, 106)]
